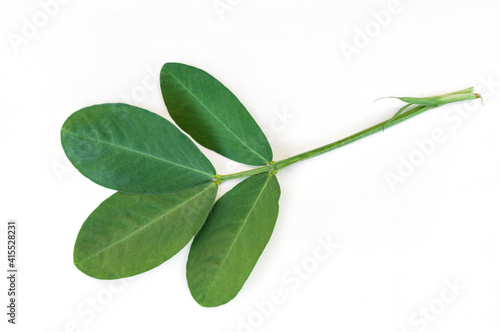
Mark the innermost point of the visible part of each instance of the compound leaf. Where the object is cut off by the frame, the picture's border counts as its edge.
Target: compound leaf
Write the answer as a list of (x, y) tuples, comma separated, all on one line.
[(226, 249), (129, 234), (132, 150), (205, 109)]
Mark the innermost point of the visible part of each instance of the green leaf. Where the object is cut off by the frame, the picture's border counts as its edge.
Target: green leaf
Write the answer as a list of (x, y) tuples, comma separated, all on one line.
[(225, 251), (213, 116), (129, 234), (132, 150)]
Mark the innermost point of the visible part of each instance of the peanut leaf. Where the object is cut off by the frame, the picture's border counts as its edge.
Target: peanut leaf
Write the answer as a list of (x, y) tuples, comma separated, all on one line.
[(129, 234), (132, 150), (225, 251), (212, 115)]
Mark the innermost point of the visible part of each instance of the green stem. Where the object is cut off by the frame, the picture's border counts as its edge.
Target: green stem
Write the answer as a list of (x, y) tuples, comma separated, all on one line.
[(275, 166), (263, 169), (350, 139)]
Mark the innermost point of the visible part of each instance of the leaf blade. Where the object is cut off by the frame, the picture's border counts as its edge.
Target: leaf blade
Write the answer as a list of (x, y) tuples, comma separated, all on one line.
[(212, 115), (129, 234), (226, 249), (132, 150)]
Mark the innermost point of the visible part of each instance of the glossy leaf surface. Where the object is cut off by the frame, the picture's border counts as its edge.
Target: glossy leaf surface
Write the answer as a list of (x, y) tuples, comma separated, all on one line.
[(213, 116), (132, 150), (225, 251), (129, 234)]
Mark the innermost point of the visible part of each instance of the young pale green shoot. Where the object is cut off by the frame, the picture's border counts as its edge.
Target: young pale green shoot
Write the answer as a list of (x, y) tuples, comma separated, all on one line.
[(167, 187), (431, 102)]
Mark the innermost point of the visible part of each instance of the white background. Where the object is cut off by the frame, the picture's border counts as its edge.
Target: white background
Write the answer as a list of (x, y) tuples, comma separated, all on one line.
[(400, 246)]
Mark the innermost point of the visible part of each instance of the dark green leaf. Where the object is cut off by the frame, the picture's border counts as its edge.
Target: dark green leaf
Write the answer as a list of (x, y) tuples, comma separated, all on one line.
[(129, 234), (132, 150), (213, 116), (225, 251)]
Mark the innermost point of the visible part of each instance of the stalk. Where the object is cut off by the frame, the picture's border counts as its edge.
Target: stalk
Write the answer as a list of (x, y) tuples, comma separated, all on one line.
[(424, 104), (221, 178), (350, 139)]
